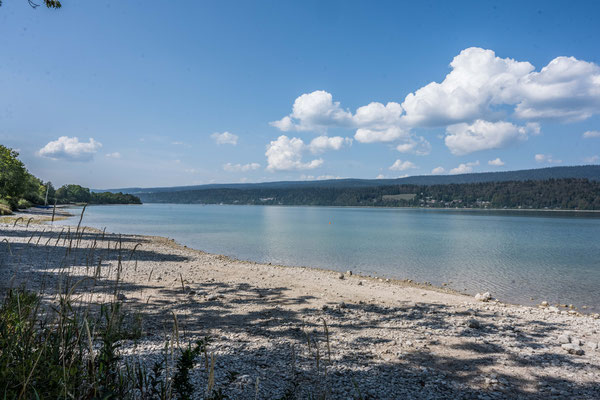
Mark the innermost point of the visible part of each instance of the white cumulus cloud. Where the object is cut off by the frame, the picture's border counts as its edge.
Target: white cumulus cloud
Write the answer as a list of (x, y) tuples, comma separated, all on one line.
[(400, 165), (592, 159), (464, 168), (116, 154), (241, 167), (286, 154), (477, 101), (70, 148), (321, 144), (438, 170), (224, 138), (567, 89), (466, 138), (314, 111), (496, 162), (477, 81)]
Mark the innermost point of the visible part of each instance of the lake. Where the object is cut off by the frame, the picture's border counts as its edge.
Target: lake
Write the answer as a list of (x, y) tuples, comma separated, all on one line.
[(514, 255)]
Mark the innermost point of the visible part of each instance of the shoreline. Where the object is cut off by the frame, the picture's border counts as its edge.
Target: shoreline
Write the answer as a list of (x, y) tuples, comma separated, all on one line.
[(585, 309), (393, 339), (380, 207)]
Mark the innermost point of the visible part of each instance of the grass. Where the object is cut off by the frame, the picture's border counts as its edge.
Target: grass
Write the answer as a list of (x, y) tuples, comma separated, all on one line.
[(5, 209)]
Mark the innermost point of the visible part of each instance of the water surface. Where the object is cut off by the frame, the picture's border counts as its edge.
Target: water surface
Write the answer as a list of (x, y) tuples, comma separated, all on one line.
[(514, 255)]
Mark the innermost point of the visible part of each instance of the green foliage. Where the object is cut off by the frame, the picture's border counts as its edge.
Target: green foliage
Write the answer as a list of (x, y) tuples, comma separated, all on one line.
[(187, 359), (78, 194), (113, 198), (12, 174), (22, 204), (73, 194), (17, 184), (566, 194)]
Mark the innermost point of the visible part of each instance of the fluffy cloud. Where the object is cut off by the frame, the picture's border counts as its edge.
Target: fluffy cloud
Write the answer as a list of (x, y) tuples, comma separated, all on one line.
[(323, 143), (480, 82), (400, 165), (438, 170), (416, 145), (546, 158), (375, 122), (591, 134), (477, 81), (496, 162), (285, 154), (567, 89), (224, 138), (473, 101), (314, 111), (70, 148), (466, 138), (116, 154), (241, 167), (464, 168)]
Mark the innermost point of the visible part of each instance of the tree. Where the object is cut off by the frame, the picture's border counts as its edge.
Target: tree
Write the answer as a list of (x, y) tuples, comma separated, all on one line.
[(73, 194), (13, 175)]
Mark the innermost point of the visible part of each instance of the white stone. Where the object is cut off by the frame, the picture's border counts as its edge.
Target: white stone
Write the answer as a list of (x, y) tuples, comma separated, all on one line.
[(483, 297), (564, 339), (572, 349)]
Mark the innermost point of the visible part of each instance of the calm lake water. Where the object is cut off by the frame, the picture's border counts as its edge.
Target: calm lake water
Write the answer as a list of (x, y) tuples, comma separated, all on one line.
[(514, 255)]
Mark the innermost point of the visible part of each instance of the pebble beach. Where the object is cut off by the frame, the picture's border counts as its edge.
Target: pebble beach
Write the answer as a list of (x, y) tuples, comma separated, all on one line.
[(279, 330)]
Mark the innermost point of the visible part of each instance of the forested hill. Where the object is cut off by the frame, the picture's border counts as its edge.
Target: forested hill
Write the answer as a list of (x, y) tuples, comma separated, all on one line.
[(591, 172), (565, 194)]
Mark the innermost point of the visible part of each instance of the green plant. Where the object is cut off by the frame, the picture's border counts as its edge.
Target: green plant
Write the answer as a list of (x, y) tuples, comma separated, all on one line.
[(185, 362), (22, 204)]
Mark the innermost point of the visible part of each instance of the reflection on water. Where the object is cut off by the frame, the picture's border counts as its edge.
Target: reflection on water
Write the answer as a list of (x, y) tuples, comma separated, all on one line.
[(516, 255)]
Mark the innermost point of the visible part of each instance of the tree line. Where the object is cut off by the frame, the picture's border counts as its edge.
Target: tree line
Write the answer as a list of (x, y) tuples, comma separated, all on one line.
[(21, 189), (566, 194)]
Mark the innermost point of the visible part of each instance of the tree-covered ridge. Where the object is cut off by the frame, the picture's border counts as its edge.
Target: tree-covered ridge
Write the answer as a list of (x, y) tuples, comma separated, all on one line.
[(20, 189), (591, 172), (566, 194)]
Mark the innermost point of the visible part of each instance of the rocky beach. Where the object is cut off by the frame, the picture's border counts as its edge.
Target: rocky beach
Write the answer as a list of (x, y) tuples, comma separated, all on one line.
[(279, 331)]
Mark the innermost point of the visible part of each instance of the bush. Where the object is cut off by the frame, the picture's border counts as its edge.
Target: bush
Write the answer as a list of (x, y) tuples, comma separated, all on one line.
[(23, 204)]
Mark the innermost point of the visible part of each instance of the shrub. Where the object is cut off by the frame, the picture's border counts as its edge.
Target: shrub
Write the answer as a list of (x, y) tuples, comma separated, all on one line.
[(23, 204)]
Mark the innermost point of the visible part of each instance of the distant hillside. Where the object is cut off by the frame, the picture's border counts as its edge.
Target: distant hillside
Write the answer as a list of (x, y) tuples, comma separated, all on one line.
[(564, 194), (591, 172)]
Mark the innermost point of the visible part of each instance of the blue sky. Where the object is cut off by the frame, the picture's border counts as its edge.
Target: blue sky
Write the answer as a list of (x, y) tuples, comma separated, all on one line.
[(145, 93)]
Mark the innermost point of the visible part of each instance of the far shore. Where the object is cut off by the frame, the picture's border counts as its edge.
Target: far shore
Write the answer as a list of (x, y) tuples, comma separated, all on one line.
[(554, 210), (388, 338)]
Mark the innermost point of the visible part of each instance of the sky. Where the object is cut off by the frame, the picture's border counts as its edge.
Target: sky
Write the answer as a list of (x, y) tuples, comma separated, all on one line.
[(112, 94)]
